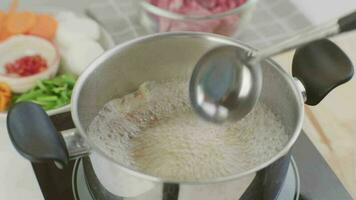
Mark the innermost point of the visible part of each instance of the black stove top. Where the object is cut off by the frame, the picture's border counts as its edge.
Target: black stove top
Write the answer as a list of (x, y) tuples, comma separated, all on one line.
[(318, 182)]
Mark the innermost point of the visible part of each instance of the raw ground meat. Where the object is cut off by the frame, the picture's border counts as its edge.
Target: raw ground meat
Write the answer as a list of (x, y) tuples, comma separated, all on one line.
[(198, 8)]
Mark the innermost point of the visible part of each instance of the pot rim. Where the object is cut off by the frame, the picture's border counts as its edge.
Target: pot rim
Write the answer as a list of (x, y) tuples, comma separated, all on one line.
[(92, 67)]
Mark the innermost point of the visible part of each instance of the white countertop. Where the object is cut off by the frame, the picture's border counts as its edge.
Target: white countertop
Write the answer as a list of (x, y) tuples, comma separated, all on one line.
[(17, 179)]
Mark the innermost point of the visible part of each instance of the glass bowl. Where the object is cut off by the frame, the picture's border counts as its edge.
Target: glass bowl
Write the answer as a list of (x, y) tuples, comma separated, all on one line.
[(156, 19)]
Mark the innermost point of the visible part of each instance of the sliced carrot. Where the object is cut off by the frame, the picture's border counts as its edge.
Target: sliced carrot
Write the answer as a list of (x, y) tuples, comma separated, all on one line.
[(5, 90), (2, 17), (4, 102), (46, 27), (18, 23), (4, 34), (5, 96)]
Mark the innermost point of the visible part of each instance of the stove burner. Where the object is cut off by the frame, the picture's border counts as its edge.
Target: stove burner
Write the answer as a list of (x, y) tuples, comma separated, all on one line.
[(86, 186), (317, 180)]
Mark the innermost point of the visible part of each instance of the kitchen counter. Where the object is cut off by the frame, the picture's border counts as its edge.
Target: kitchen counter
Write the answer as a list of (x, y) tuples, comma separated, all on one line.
[(331, 125)]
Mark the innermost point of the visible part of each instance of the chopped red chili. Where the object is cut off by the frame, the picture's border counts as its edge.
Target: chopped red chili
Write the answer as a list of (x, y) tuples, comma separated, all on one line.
[(27, 66)]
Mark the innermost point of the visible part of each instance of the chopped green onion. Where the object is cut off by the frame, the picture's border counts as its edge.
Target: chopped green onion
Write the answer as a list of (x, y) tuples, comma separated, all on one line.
[(47, 98), (50, 94)]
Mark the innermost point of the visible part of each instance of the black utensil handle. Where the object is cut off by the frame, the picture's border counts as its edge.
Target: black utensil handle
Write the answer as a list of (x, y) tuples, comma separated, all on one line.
[(348, 22), (321, 66), (34, 136)]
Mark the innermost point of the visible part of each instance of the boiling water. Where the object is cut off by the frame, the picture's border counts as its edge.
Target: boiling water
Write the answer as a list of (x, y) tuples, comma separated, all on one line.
[(154, 130)]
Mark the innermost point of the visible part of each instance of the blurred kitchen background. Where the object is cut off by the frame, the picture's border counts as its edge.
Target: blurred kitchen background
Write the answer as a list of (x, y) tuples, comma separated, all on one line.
[(272, 20)]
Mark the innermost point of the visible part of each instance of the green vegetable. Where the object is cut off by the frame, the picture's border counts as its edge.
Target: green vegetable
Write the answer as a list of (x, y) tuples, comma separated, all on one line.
[(50, 94)]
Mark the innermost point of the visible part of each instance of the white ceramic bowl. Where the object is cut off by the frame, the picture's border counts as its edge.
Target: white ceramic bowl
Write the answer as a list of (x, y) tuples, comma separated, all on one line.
[(22, 45)]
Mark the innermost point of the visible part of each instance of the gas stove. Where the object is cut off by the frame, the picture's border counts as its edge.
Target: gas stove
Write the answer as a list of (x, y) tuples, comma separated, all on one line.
[(86, 186), (309, 176)]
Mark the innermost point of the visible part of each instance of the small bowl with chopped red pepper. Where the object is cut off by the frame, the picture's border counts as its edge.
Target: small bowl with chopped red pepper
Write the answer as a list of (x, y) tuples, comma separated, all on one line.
[(42, 52), (25, 60), (26, 66), (225, 17)]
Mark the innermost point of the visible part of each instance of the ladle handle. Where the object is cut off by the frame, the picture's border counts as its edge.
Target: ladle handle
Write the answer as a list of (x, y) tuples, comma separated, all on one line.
[(344, 24), (321, 66), (347, 23)]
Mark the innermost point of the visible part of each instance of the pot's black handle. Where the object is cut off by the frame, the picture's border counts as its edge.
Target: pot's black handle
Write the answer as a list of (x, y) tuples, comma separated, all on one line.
[(321, 66), (34, 136), (348, 22)]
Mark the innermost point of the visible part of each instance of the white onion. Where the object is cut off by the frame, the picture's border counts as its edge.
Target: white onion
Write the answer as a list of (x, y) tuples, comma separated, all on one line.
[(74, 29), (79, 55)]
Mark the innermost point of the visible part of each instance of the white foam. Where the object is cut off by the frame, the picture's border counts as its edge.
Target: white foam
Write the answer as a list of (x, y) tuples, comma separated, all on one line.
[(155, 131)]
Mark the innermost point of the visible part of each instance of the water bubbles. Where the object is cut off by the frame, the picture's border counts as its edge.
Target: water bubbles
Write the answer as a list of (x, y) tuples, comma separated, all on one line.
[(155, 131)]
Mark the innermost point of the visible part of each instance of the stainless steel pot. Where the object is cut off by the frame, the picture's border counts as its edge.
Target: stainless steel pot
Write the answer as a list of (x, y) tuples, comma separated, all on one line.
[(158, 57)]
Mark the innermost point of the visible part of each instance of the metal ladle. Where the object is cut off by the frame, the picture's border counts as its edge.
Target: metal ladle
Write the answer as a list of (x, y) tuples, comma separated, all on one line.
[(226, 82)]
